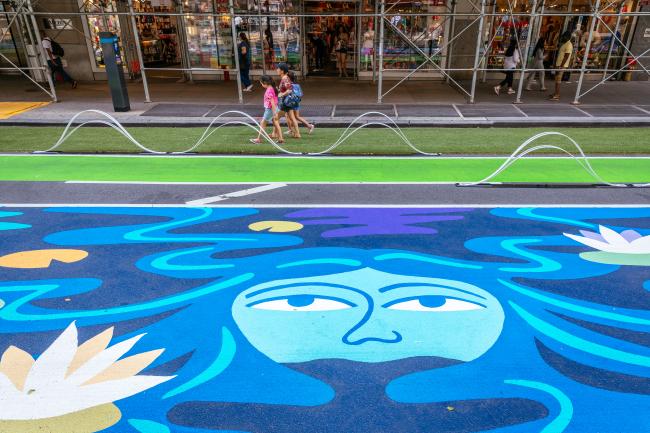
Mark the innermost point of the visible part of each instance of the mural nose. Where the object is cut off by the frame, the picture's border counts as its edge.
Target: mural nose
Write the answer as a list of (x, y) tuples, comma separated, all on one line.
[(371, 330)]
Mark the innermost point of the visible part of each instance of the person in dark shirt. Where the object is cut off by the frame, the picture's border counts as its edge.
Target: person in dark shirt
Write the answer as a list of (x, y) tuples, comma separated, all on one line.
[(244, 51)]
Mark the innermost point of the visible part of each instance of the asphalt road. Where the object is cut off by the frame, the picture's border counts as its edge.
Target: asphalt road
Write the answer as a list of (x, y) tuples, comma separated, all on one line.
[(279, 194)]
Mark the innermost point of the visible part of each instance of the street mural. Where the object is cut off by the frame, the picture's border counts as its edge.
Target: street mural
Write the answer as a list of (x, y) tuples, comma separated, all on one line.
[(159, 320)]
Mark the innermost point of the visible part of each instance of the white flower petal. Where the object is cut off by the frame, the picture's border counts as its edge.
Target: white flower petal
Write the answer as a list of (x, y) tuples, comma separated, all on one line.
[(102, 361), (107, 392), (613, 238), (52, 365), (641, 245), (601, 246)]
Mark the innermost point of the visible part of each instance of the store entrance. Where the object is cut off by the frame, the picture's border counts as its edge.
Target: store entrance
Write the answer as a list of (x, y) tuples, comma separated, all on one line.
[(330, 41)]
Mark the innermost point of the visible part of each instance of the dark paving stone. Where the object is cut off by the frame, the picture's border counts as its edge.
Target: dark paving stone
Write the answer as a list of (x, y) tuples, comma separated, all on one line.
[(613, 111), (357, 110), (316, 110), (178, 110), (251, 110), (489, 111), (426, 111), (548, 110)]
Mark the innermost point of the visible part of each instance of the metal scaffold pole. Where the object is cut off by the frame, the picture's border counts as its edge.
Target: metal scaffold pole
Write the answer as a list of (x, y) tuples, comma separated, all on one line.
[(477, 53), (138, 50), (41, 50), (235, 51), (524, 55), (380, 67), (585, 57)]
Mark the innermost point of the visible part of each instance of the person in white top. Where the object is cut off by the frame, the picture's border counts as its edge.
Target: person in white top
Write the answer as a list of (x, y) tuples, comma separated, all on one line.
[(513, 57), (54, 62)]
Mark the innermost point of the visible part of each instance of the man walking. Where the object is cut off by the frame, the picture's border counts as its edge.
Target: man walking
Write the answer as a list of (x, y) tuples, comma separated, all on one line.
[(54, 52), (562, 62)]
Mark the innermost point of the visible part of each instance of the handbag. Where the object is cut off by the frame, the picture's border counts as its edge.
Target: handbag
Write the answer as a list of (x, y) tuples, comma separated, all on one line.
[(291, 100)]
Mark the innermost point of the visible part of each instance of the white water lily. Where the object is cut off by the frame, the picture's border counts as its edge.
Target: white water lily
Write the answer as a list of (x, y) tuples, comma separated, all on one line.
[(626, 242), (67, 378)]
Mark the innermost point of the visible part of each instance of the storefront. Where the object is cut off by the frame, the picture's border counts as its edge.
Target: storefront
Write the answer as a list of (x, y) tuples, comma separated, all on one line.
[(355, 39), (574, 16), (197, 35)]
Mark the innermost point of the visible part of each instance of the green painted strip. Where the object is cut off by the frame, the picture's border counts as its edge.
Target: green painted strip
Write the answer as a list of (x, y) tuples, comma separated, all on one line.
[(181, 169)]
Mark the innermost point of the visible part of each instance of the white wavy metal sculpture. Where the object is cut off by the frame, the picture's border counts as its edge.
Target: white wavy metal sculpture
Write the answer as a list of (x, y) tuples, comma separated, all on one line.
[(521, 152), (211, 129)]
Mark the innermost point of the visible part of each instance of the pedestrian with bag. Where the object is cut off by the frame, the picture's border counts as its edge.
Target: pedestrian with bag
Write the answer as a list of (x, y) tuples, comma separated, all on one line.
[(288, 100), (54, 52), (510, 63)]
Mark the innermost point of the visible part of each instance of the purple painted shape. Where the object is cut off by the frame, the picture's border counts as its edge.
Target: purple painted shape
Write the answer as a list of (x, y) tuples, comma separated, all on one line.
[(375, 221), (592, 235), (630, 235)]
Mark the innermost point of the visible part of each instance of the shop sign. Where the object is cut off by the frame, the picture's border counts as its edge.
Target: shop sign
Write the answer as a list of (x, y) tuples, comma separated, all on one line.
[(57, 23)]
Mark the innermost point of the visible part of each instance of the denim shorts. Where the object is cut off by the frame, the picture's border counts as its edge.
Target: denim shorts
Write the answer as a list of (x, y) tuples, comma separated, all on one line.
[(268, 114)]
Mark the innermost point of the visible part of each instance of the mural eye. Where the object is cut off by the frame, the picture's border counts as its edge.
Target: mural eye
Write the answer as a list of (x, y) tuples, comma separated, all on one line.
[(432, 303), (303, 303)]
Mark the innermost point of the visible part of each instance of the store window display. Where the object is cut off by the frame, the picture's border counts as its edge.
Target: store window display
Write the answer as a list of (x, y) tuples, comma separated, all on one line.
[(414, 23), (368, 48), (158, 33), (101, 23)]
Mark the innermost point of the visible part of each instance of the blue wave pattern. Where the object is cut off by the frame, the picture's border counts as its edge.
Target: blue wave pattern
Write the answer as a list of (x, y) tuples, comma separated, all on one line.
[(573, 333)]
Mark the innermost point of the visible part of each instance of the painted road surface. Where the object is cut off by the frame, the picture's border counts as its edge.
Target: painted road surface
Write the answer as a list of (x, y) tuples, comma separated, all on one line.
[(324, 320)]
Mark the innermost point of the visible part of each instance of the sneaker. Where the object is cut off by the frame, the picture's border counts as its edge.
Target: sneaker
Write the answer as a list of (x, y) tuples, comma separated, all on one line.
[(249, 88), (543, 89), (511, 92), (529, 88), (497, 90)]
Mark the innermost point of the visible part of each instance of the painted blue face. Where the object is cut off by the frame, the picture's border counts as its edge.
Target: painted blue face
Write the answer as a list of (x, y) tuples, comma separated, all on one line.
[(368, 316)]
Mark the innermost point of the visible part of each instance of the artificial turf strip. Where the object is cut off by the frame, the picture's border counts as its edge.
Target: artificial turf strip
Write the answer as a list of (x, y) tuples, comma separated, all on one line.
[(251, 169), (379, 141)]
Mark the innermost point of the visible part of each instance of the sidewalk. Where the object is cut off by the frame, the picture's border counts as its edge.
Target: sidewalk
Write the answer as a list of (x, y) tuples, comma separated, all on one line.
[(334, 102)]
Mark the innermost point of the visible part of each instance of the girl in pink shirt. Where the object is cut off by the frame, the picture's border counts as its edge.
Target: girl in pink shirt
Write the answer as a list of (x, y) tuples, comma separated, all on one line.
[(270, 111)]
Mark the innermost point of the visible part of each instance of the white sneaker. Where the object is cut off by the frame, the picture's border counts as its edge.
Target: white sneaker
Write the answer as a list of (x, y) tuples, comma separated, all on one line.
[(249, 88), (497, 90), (511, 92)]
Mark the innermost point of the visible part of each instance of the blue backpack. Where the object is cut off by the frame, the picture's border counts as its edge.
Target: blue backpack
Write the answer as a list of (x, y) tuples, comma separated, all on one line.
[(297, 90)]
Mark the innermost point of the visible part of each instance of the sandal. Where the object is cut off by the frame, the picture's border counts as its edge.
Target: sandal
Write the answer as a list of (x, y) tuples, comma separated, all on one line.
[(553, 98), (255, 141)]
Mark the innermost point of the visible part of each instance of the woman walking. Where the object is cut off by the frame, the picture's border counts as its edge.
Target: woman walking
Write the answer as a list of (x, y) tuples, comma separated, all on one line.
[(509, 64), (538, 63), (288, 100), (270, 111)]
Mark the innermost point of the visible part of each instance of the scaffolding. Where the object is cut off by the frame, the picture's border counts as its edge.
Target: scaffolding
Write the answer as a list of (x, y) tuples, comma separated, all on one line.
[(479, 22)]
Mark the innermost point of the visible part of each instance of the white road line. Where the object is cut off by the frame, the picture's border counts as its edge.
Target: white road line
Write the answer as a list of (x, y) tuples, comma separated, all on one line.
[(135, 182), (329, 205), (242, 193)]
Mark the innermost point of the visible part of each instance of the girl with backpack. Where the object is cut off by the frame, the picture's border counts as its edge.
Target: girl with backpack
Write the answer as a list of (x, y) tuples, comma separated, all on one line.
[(298, 91), (270, 111)]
